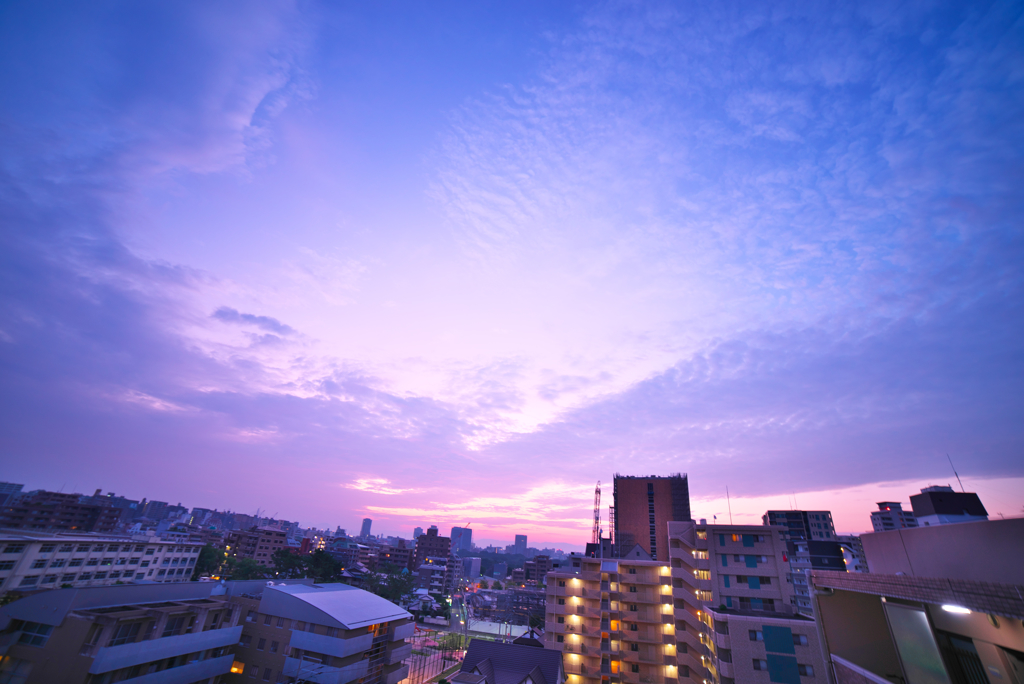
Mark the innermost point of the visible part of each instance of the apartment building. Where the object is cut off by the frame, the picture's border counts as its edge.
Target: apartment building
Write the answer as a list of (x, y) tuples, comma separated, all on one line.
[(430, 545), (891, 516), (740, 576), (941, 505), (643, 505), (323, 633), (44, 511), (803, 525), (615, 620), (172, 634), (259, 543), (31, 561)]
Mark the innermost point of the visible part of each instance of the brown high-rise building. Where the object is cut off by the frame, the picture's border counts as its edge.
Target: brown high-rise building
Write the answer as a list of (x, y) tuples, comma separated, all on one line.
[(430, 545), (642, 507)]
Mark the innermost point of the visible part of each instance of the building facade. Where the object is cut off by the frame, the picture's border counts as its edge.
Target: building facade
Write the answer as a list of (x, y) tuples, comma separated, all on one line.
[(42, 511), (643, 507), (259, 544), (430, 545), (47, 561)]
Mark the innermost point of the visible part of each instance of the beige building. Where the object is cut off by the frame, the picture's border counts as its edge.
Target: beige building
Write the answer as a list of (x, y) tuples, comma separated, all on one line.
[(615, 620), (731, 582), (31, 561)]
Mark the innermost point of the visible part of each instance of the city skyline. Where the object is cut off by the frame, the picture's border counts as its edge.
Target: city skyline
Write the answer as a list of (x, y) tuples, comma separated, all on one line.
[(456, 264)]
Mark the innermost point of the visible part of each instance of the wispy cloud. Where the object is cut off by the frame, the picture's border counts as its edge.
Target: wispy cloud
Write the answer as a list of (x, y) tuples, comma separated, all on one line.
[(229, 315), (377, 486)]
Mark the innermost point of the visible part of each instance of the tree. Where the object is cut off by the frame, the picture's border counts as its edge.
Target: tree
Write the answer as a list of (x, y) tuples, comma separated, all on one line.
[(483, 584), (245, 569), (289, 565), (321, 566), (496, 585), (389, 582), (208, 562)]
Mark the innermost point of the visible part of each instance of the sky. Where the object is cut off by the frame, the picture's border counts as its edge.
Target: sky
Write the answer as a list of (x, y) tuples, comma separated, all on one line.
[(456, 263)]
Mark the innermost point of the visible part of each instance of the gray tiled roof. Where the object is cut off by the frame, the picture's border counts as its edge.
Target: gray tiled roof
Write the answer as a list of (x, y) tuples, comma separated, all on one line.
[(511, 663)]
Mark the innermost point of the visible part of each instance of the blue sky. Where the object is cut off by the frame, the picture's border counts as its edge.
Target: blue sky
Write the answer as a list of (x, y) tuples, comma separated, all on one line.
[(458, 262)]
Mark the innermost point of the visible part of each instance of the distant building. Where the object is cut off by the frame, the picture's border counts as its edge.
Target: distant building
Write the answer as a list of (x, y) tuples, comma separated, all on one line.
[(471, 568), (500, 571), (398, 555), (518, 577), (940, 505), (535, 570), (8, 490), (416, 532), (644, 506), (891, 516), (438, 575), (260, 544), (32, 561), (520, 545), (430, 545), (42, 511), (364, 532), (462, 539), (803, 525)]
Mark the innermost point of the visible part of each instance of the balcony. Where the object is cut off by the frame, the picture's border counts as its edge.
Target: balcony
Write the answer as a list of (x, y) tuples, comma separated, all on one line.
[(332, 646), (127, 655), (404, 631), (192, 672), (322, 674), (400, 653), (397, 675)]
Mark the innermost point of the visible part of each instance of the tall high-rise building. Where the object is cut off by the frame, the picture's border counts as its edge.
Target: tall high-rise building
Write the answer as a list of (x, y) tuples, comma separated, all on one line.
[(365, 531), (803, 525), (416, 532), (462, 538), (643, 506), (891, 516), (941, 505), (521, 544)]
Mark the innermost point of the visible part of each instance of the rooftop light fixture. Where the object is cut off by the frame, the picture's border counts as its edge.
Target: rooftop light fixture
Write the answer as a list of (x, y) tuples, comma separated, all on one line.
[(950, 608)]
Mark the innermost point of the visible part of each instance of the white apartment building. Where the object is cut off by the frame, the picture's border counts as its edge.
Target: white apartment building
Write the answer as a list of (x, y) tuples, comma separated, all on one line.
[(31, 561)]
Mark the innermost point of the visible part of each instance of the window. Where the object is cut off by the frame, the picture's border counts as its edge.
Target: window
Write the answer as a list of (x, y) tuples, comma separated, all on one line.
[(300, 626), (634, 647), (632, 627), (115, 574), (125, 634), (145, 564), (85, 576), (41, 563), (805, 670), (760, 665), (561, 583), (174, 626), (83, 548), (139, 548), (266, 674), (245, 641), (250, 616), (6, 565), (68, 578), (49, 579), (47, 548), (34, 633), (311, 628), (149, 552), (561, 620), (799, 639), (261, 645), (725, 655), (632, 571), (92, 562), (560, 638), (29, 581), (67, 548), (75, 563), (57, 563), (254, 670), (756, 635), (632, 590), (112, 548), (16, 548), (561, 601), (633, 667), (100, 575), (122, 561), (632, 607), (273, 646), (280, 622), (267, 619)]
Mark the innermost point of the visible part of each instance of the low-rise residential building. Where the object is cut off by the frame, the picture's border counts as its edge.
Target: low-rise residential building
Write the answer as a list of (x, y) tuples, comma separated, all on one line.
[(491, 662), (42, 511), (853, 553), (172, 634), (941, 505), (324, 633), (259, 543), (31, 561)]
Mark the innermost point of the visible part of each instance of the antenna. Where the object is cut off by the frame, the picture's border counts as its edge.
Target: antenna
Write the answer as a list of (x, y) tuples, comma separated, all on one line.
[(954, 472), (728, 501)]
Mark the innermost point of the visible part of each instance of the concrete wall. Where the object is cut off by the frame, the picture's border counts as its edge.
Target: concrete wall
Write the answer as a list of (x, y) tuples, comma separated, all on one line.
[(856, 630), (984, 551)]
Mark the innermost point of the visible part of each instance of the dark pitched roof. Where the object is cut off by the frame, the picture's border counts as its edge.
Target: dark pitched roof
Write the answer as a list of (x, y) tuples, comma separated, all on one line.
[(531, 638), (511, 663)]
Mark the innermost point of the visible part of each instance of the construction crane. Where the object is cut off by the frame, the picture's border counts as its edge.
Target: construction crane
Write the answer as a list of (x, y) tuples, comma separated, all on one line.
[(596, 536)]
